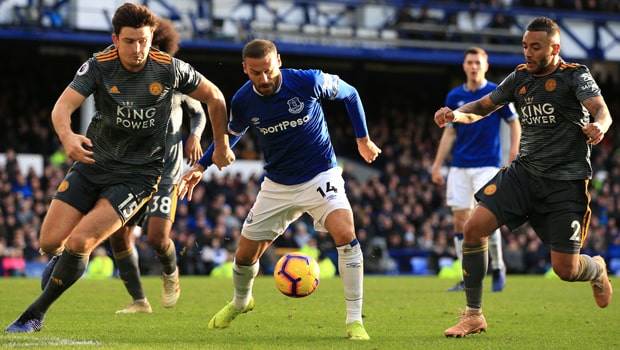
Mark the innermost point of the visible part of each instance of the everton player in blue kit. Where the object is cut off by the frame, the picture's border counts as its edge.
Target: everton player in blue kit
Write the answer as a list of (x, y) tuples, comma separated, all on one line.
[(301, 172), (120, 160), (563, 115), (476, 156)]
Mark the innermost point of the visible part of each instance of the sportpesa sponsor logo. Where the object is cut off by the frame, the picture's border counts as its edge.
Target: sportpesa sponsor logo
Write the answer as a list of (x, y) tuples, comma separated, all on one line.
[(283, 125)]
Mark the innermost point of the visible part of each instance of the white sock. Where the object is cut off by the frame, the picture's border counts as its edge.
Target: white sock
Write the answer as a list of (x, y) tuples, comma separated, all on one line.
[(495, 249), (351, 269), (243, 280)]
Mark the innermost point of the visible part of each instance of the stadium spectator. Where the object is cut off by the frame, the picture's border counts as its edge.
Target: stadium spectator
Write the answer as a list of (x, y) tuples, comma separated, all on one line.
[(514, 256), (504, 22), (213, 255), (377, 258), (101, 266), (147, 260), (11, 165), (403, 15), (539, 4), (590, 5), (190, 260), (13, 262)]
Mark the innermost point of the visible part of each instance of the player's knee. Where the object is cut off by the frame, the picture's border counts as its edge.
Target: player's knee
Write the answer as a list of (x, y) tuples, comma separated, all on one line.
[(471, 231), (118, 243), (49, 247), (246, 257), (158, 242), (476, 229), (244, 261), (565, 273), (343, 237)]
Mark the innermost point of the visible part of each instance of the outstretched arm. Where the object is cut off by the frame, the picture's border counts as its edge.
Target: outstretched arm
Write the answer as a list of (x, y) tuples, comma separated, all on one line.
[(192, 177), (467, 113), (211, 95)]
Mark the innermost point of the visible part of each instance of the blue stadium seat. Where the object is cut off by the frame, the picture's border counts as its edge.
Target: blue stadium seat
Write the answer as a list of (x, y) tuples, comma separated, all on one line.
[(419, 265), (614, 266), (34, 269)]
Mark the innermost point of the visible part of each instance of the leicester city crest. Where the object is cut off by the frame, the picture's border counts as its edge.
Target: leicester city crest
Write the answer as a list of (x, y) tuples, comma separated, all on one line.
[(295, 106)]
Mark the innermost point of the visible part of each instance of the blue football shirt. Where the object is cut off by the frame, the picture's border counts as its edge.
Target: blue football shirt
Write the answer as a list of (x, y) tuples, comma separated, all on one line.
[(478, 144), (290, 124)]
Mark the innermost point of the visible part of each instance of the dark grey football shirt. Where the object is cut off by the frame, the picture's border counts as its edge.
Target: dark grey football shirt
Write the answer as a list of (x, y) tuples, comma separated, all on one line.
[(133, 109), (173, 164), (551, 115)]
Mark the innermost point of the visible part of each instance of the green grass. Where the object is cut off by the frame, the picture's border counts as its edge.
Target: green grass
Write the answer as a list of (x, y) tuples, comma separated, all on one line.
[(404, 312)]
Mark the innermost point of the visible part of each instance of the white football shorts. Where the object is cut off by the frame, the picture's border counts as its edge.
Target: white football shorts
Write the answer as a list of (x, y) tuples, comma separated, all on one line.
[(277, 206), (463, 183)]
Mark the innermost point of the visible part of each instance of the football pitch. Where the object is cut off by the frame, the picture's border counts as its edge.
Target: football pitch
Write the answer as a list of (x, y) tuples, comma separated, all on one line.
[(404, 312)]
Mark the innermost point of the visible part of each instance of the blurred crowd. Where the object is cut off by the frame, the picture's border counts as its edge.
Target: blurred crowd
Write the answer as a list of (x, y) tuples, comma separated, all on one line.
[(398, 212), (424, 20), (579, 5)]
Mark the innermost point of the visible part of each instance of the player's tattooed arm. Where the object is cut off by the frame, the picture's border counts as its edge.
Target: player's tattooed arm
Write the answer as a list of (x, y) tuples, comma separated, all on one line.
[(467, 113), (596, 130)]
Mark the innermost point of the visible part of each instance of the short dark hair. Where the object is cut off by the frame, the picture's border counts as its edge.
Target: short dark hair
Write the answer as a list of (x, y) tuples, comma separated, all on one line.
[(543, 24), (258, 48), (166, 37), (475, 50), (134, 16)]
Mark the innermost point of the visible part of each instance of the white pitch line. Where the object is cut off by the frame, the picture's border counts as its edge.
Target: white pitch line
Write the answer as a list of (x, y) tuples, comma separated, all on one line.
[(16, 341)]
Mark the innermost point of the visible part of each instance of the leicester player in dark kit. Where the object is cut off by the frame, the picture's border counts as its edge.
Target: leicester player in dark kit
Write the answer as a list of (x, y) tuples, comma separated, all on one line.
[(562, 114), (301, 172), (119, 162), (161, 208)]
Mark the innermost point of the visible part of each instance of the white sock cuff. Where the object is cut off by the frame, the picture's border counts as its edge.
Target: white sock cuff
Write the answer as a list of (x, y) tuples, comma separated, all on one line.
[(247, 270), (350, 248)]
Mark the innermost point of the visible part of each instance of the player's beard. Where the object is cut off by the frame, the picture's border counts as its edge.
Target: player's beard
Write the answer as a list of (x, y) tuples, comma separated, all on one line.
[(267, 89), (541, 66)]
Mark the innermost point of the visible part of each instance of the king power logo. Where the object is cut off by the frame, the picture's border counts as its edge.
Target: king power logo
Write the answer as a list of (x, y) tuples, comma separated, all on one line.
[(135, 118)]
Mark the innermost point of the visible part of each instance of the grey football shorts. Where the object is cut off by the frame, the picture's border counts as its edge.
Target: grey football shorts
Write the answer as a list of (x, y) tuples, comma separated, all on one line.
[(557, 210), (83, 188)]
